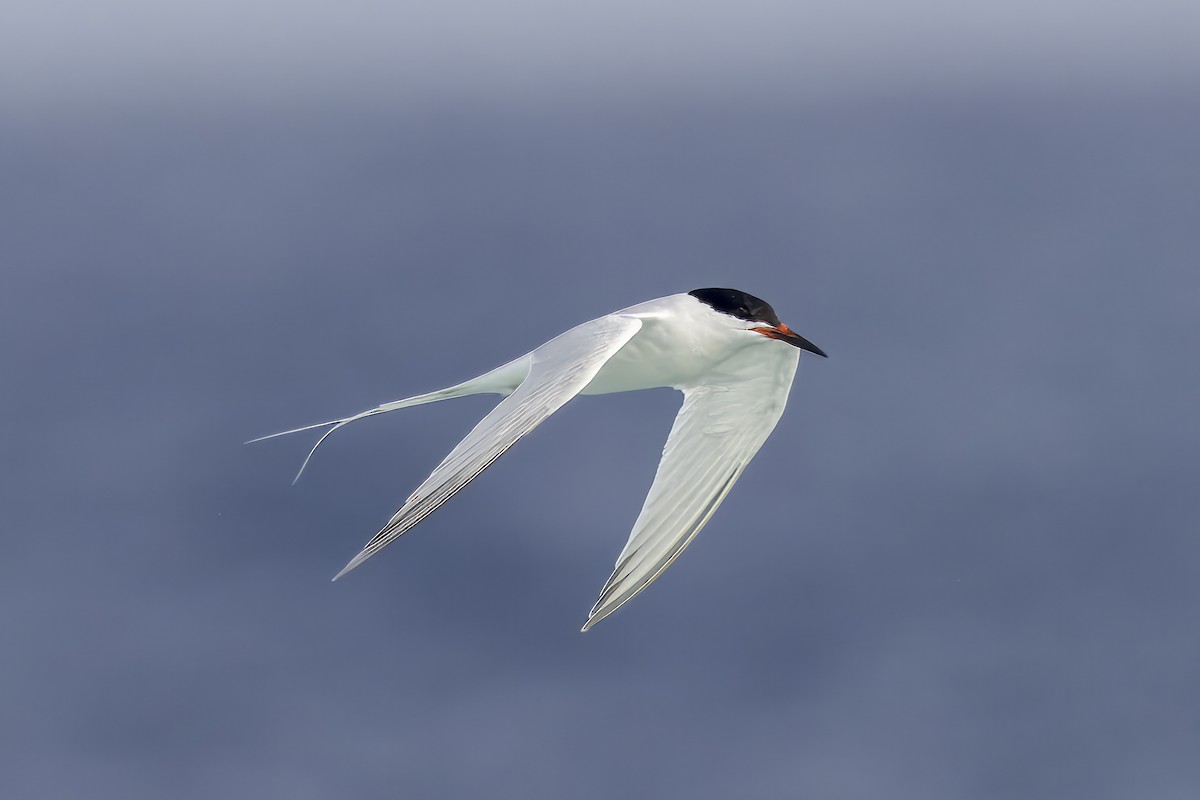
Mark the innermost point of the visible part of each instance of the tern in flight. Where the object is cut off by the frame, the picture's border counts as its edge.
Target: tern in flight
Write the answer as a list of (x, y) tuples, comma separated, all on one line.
[(725, 350)]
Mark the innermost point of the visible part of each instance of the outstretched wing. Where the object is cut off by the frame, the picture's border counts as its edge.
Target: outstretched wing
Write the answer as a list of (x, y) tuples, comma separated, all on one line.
[(718, 430), (558, 371)]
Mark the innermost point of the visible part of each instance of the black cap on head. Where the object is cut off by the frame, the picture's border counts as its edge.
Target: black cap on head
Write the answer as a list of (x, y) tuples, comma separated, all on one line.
[(737, 304)]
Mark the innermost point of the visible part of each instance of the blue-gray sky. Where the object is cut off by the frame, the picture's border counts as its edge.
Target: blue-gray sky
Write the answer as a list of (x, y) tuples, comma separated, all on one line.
[(964, 565), (480, 48)]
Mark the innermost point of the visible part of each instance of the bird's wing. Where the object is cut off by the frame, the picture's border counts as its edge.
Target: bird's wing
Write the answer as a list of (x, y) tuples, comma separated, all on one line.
[(558, 371), (720, 427)]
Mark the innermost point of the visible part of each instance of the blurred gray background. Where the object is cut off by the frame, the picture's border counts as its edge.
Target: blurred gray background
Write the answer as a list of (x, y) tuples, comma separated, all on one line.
[(965, 565)]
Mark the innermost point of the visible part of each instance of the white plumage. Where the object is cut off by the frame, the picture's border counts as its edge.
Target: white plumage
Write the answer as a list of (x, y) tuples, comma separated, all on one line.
[(725, 350)]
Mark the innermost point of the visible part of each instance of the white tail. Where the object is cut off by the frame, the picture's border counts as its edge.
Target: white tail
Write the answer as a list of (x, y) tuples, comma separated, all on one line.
[(502, 380)]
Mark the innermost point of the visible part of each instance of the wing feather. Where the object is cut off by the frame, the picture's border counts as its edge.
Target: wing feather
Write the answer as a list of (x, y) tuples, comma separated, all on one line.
[(558, 371), (720, 427)]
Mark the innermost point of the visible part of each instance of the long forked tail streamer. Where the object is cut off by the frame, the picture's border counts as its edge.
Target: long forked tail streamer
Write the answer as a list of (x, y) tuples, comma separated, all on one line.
[(490, 383), (335, 423)]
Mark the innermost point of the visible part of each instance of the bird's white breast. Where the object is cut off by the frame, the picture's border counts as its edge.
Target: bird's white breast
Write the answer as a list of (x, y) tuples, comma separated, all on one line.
[(678, 344)]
